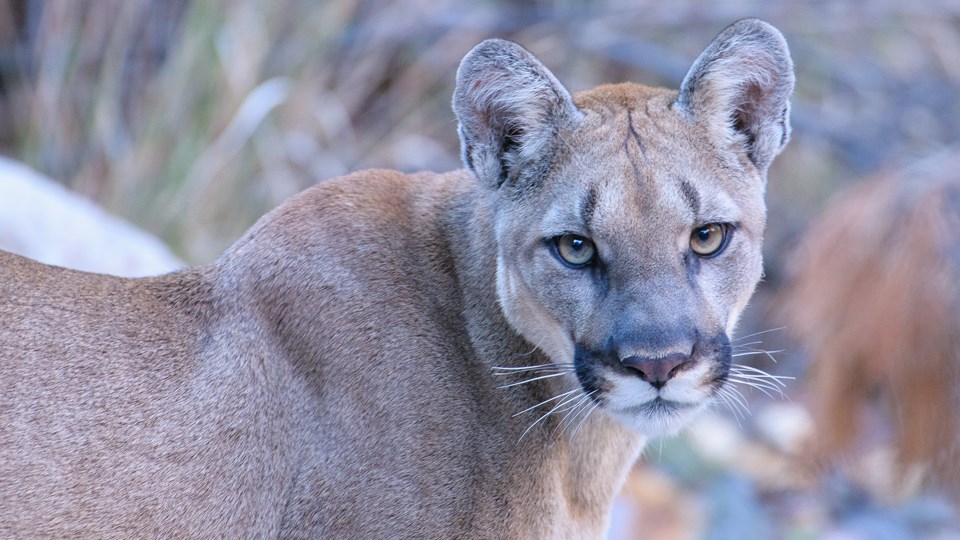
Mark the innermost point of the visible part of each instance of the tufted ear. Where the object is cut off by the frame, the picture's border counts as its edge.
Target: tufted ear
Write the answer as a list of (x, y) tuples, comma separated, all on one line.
[(510, 109), (740, 86)]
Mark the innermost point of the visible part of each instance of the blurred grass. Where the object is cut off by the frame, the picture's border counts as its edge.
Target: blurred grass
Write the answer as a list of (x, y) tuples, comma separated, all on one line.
[(193, 118)]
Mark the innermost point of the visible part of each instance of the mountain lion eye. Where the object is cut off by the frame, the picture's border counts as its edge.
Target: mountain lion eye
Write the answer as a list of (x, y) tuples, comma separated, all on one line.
[(709, 240), (575, 250)]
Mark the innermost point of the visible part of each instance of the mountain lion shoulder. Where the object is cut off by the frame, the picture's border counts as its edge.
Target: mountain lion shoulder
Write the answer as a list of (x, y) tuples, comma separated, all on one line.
[(480, 353)]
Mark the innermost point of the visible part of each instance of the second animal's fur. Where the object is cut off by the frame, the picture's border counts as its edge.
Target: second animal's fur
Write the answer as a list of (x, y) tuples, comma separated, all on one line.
[(874, 300), (473, 354)]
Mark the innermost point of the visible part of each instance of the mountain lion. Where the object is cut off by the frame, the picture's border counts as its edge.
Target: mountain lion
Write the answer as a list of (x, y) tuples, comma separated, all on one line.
[(480, 353)]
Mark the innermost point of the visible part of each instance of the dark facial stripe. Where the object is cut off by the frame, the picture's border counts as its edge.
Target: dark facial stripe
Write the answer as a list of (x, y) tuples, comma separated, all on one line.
[(635, 135), (589, 205), (632, 149), (691, 196)]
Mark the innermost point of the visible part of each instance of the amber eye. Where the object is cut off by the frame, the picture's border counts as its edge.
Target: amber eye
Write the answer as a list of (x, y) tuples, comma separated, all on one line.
[(708, 240), (575, 250)]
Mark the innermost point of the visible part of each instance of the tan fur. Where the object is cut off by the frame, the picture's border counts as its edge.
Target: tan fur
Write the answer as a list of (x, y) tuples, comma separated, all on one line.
[(335, 373)]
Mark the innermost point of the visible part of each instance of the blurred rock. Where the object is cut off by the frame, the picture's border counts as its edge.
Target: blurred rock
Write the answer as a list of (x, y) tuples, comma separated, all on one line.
[(652, 505), (737, 511), (42, 220), (787, 426)]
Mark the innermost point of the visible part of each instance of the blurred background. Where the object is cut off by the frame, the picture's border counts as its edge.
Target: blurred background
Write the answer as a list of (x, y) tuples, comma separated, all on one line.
[(192, 119)]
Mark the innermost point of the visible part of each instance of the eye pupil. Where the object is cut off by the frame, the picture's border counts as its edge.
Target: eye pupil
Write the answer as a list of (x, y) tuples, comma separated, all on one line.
[(574, 250), (709, 240)]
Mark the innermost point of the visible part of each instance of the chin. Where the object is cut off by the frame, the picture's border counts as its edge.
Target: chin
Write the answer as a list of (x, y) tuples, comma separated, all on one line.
[(658, 417)]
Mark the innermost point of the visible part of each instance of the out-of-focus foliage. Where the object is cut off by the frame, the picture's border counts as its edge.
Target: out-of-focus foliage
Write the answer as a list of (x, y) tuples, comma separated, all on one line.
[(192, 119)]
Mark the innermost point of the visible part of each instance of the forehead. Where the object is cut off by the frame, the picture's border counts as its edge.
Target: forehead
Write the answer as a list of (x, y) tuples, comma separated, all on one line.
[(633, 152)]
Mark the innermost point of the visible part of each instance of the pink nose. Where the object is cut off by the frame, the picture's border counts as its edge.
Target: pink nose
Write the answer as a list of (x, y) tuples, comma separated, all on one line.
[(657, 371)]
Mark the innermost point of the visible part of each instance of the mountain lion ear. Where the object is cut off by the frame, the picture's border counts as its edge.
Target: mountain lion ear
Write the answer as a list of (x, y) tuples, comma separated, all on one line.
[(510, 108), (742, 83)]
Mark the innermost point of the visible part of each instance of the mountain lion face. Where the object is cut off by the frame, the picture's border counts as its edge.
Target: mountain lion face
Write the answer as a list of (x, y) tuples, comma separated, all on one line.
[(629, 220)]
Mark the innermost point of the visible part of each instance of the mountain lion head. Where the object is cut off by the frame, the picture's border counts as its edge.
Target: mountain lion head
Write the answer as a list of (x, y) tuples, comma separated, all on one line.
[(628, 219)]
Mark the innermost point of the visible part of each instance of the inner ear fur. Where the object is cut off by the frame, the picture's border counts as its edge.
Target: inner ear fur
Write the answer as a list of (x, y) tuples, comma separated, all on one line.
[(510, 109), (740, 86)]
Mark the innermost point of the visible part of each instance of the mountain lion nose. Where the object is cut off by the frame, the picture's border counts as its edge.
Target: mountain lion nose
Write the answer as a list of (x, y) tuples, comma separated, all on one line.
[(656, 371)]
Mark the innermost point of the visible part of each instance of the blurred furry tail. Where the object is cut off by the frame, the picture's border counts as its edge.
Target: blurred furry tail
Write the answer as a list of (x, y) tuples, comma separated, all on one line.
[(874, 301)]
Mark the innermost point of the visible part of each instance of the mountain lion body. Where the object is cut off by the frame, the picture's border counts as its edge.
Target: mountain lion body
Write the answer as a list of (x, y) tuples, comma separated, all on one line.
[(354, 366)]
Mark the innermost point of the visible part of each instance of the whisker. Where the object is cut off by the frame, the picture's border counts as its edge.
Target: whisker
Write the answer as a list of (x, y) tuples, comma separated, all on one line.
[(533, 371), (555, 408), (550, 365), (761, 387), (745, 345), (766, 382), (735, 398), (528, 409), (761, 381), (533, 350), (541, 377), (756, 351), (769, 354), (740, 369), (584, 419), (580, 401), (737, 415), (581, 405), (741, 338), (739, 397)]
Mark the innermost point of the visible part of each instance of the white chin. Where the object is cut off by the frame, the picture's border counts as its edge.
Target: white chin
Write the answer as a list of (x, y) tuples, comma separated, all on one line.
[(657, 423)]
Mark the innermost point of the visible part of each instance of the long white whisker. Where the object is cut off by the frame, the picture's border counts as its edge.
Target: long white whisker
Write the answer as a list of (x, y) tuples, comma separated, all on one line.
[(531, 351), (584, 419), (549, 365), (776, 386), (753, 352), (767, 382), (528, 409), (573, 409), (740, 369), (533, 371), (741, 338), (759, 387), (555, 408), (722, 396), (523, 368), (750, 371), (769, 354), (738, 415), (745, 345), (739, 397), (736, 397), (579, 408), (541, 377)]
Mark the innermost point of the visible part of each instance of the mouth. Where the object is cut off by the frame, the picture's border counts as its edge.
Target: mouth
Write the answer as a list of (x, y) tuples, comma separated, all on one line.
[(660, 406)]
